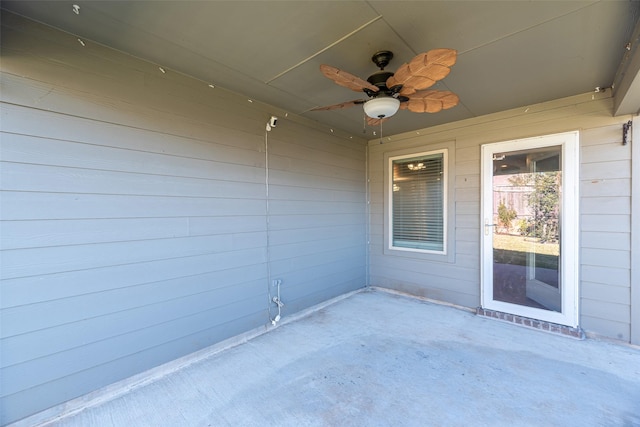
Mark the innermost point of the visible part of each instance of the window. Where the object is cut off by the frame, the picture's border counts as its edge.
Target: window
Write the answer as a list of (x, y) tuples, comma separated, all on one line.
[(417, 200)]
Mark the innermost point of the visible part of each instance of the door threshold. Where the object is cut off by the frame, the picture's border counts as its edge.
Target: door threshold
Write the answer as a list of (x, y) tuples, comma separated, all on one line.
[(527, 322)]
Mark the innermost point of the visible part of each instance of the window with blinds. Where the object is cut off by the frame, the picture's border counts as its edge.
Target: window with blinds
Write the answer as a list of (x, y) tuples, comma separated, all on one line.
[(417, 208)]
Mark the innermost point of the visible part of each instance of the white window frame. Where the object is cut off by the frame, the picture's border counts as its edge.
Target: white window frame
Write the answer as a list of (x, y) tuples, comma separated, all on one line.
[(445, 200)]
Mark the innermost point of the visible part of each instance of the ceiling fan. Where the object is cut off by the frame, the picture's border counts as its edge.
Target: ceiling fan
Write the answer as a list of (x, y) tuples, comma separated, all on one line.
[(404, 89)]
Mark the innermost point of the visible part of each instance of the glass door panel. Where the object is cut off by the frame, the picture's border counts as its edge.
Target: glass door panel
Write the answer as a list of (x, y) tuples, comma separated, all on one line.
[(526, 231), (529, 239)]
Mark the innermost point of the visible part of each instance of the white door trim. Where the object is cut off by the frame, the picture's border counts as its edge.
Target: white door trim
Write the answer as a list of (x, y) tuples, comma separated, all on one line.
[(569, 237)]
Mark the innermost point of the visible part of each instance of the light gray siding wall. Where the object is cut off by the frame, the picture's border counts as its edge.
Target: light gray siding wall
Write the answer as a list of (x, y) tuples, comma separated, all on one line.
[(605, 208), (635, 243), (605, 188), (134, 216)]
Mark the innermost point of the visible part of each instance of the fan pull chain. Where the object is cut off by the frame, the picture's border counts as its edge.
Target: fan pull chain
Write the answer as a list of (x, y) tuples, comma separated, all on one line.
[(364, 123), (380, 131)]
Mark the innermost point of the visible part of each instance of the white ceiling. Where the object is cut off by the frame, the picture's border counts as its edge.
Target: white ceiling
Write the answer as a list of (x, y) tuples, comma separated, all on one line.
[(510, 53)]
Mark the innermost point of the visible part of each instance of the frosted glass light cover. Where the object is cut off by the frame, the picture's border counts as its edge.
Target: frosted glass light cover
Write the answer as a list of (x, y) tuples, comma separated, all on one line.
[(378, 108)]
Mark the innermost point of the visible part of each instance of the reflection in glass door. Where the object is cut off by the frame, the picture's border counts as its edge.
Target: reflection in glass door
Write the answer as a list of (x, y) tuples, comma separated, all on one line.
[(529, 228), (526, 235)]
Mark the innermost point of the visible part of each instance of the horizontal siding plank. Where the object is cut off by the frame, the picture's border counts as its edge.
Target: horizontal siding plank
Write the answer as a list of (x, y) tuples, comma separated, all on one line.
[(446, 295), (317, 138), (603, 135), (606, 187), (604, 153), (467, 248), (321, 153), (468, 221), (317, 234), (607, 223), (312, 207), (430, 283), (194, 140), (292, 250), (24, 319), (467, 181), (202, 226), (606, 170), (41, 261), (471, 260), (44, 233), (467, 194), (606, 310), (300, 277), (28, 206), (278, 192), (607, 293), (468, 167), (471, 234), (294, 179), (606, 275), (298, 222), (55, 179), (282, 267), (467, 207), (586, 114), (388, 266), (287, 166), (150, 154), (17, 149), (605, 205), (296, 289), (606, 258), (36, 289), (331, 291), (289, 269), (606, 240), (468, 154)]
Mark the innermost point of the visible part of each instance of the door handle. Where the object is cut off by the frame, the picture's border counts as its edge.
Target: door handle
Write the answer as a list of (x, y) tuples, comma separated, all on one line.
[(487, 225)]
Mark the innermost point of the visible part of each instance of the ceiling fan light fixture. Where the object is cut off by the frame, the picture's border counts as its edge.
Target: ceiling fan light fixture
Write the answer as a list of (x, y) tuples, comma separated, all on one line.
[(381, 107)]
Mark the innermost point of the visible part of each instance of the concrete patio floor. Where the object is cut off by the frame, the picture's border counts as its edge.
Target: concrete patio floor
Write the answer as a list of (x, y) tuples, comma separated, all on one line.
[(380, 359)]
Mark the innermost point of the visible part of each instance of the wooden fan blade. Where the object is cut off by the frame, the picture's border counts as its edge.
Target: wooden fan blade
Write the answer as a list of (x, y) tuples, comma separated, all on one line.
[(430, 101), (339, 106), (376, 122), (423, 70), (346, 79)]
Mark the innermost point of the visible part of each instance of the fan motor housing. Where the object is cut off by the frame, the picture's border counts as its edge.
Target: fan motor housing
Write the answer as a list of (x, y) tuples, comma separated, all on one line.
[(379, 80)]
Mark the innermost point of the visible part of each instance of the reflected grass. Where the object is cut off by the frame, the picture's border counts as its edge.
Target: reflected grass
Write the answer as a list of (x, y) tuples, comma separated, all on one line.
[(514, 250)]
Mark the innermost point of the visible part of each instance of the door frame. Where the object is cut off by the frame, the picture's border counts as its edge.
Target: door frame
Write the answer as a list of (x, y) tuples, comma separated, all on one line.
[(569, 237)]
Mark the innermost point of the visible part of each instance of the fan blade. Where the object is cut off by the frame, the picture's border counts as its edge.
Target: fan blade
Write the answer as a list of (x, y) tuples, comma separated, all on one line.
[(347, 80), (376, 122), (430, 101), (339, 106), (423, 70)]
